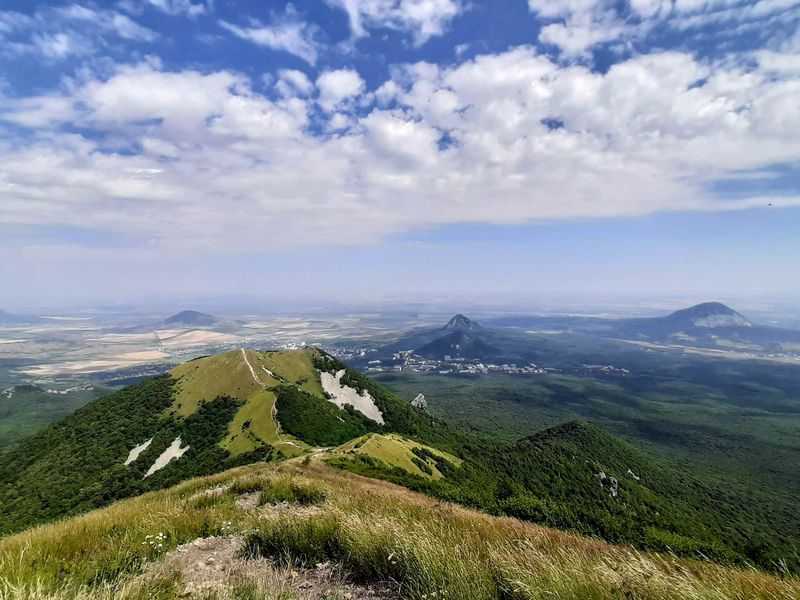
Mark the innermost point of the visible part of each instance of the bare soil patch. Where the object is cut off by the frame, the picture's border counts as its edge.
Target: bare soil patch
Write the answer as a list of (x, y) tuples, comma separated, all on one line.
[(213, 565)]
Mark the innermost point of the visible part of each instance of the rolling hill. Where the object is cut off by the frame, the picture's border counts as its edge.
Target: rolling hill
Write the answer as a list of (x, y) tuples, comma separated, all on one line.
[(204, 416)]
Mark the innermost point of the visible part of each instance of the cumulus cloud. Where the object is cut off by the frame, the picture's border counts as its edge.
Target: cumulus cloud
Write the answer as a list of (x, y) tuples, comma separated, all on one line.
[(335, 87), (288, 33), (423, 19), (187, 160), (292, 82)]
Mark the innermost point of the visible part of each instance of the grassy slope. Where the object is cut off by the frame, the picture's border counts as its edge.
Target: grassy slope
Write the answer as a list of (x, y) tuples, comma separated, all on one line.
[(252, 424), (396, 451), (212, 376), (255, 423), (375, 530), (294, 367)]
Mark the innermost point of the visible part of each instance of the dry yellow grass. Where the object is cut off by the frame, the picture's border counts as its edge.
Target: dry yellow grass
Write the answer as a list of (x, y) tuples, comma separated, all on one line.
[(374, 529)]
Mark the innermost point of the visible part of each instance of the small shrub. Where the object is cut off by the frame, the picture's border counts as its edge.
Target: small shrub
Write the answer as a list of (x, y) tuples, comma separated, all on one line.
[(292, 492), (423, 466), (298, 542)]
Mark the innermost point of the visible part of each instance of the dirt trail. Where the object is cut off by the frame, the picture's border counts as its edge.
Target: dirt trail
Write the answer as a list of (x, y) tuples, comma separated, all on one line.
[(213, 565), (252, 370), (274, 412)]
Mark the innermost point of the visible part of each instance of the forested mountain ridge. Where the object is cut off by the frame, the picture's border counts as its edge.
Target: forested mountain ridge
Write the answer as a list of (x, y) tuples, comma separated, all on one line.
[(244, 406)]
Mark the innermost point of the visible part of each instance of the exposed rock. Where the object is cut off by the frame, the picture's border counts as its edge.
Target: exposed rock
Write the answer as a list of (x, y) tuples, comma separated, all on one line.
[(248, 501), (209, 566), (611, 482)]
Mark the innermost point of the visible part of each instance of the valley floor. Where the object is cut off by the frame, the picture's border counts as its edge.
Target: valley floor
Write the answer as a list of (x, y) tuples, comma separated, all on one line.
[(300, 529)]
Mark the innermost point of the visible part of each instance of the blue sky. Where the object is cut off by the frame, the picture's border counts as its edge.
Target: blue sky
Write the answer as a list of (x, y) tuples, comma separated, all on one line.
[(354, 148)]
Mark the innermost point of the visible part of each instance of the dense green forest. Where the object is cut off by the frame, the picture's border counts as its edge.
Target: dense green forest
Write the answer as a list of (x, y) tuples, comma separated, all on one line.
[(552, 478)]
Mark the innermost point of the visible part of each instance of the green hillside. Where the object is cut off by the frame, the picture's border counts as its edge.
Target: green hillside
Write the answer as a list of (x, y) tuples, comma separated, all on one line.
[(228, 409), (245, 406)]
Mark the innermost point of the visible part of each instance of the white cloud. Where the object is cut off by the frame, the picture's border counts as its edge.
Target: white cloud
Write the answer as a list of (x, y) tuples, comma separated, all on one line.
[(60, 45), (423, 19), (75, 30), (292, 82), (182, 7), (128, 29), (288, 33), (576, 26), (36, 112), (188, 161), (338, 86), (779, 62), (107, 20)]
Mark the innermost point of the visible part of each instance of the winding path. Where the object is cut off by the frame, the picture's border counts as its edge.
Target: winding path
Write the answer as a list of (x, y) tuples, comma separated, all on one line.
[(249, 366), (274, 411)]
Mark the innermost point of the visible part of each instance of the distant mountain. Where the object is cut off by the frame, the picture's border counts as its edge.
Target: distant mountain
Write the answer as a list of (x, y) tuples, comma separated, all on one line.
[(7, 318), (707, 314), (458, 344), (461, 337), (463, 324), (705, 325), (191, 318)]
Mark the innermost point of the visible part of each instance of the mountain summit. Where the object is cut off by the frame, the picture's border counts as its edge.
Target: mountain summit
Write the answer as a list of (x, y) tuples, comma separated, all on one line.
[(709, 314), (462, 323)]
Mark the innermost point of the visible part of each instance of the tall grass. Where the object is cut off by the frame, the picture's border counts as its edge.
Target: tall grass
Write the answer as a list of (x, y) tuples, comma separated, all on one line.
[(376, 531)]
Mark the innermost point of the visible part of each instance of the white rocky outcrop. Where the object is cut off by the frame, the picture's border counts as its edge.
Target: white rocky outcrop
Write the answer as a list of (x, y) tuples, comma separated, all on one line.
[(137, 450), (342, 394), (174, 452)]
